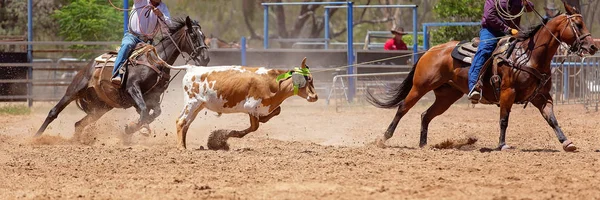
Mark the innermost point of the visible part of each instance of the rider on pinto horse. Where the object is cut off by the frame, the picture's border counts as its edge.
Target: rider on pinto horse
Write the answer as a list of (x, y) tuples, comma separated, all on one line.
[(496, 23), (143, 25)]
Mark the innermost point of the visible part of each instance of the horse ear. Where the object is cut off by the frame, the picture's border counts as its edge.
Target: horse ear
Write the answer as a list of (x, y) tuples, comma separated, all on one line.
[(303, 63), (188, 22), (570, 9)]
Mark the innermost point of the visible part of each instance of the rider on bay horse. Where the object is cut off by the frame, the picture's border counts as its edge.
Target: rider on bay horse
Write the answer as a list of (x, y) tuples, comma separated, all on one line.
[(143, 25), (494, 26)]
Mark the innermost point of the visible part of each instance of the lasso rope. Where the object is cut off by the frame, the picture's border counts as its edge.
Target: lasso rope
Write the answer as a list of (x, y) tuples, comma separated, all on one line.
[(505, 14), (435, 48)]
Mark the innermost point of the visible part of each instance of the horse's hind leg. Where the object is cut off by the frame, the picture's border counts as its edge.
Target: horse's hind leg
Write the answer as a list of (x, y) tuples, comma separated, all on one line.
[(546, 108), (416, 92), (92, 115), (70, 95), (445, 96)]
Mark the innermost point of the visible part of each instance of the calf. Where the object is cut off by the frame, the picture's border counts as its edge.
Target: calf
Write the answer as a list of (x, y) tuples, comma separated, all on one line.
[(236, 89)]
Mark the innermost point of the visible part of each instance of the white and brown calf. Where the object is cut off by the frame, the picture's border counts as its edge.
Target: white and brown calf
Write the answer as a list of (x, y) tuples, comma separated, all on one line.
[(237, 89)]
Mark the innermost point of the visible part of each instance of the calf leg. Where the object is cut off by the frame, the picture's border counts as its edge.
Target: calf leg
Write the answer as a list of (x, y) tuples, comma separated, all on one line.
[(546, 109), (188, 114), (253, 127), (265, 119)]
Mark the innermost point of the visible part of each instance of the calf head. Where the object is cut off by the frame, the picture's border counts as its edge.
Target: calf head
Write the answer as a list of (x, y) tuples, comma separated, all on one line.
[(302, 81)]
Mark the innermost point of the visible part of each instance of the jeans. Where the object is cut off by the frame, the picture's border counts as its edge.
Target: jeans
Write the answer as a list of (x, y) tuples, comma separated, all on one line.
[(127, 46), (488, 43)]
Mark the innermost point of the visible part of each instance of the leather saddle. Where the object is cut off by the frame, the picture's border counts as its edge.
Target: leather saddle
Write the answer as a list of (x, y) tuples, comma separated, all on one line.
[(103, 66), (465, 51)]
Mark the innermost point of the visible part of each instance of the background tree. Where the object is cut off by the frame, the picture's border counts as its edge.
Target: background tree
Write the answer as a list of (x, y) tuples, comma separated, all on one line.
[(456, 11), (89, 20)]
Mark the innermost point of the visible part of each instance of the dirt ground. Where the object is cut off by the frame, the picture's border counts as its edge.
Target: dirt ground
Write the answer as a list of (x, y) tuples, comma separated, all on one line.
[(310, 151)]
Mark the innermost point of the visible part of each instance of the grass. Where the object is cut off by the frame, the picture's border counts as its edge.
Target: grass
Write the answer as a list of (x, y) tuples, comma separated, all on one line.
[(15, 110)]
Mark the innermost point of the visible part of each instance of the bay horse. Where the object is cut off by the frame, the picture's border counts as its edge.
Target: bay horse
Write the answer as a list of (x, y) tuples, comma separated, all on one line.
[(437, 70), (143, 85)]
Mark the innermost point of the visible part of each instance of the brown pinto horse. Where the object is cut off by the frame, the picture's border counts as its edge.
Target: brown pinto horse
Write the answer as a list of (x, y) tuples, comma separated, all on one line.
[(447, 77)]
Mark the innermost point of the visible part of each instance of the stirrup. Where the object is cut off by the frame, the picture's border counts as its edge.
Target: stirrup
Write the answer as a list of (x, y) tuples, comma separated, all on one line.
[(474, 96)]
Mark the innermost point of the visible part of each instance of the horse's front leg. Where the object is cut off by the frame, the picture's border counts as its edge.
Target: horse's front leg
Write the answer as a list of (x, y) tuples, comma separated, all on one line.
[(507, 98), (136, 94), (546, 108)]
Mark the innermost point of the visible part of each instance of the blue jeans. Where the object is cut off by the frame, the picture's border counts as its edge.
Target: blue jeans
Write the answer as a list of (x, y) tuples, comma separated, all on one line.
[(486, 47), (127, 45)]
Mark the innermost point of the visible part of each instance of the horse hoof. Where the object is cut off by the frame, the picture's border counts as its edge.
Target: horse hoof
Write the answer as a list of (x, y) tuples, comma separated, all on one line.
[(568, 146), (145, 131), (379, 142), (505, 147), (130, 128)]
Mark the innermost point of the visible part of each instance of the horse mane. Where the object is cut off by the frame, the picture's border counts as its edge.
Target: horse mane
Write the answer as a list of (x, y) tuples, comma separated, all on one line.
[(178, 23), (528, 33)]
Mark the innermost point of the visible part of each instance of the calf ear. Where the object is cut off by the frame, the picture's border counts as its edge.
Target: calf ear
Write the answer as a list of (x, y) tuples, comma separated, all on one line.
[(303, 63)]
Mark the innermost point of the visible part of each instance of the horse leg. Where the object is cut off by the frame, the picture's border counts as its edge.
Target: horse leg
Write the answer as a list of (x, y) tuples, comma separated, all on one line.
[(507, 99), (91, 117), (136, 94), (546, 109), (253, 127), (445, 96), (53, 114), (416, 92), (188, 114), (70, 95), (265, 119)]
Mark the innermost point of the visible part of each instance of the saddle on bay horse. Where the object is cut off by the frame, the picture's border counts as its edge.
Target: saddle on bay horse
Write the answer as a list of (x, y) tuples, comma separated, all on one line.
[(143, 54), (465, 51)]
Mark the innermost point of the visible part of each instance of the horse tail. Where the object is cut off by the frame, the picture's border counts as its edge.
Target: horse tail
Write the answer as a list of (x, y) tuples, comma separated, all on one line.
[(395, 96)]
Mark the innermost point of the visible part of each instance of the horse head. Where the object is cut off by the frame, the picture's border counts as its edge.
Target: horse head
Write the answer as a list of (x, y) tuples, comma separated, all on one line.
[(190, 39), (573, 31), (200, 49)]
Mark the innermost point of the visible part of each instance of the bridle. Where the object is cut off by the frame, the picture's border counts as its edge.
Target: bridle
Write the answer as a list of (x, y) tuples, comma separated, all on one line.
[(576, 46), (196, 51)]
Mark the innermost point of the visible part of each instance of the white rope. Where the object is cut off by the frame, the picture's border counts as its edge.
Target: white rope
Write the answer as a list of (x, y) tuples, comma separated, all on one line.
[(435, 48), (505, 14)]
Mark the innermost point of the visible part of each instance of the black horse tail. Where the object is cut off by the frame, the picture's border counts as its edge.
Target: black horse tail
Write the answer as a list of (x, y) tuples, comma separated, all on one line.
[(395, 96)]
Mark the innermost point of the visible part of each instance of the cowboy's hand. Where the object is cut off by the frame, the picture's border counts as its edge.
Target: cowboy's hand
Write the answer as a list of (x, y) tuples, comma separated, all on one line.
[(157, 12), (514, 32)]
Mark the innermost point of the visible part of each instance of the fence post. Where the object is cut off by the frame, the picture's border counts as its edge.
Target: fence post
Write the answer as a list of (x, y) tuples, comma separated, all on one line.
[(350, 40), (415, 36), (243, 50), (29, 52), (425, 37), (125, 16), (266, 27), (326, 21)]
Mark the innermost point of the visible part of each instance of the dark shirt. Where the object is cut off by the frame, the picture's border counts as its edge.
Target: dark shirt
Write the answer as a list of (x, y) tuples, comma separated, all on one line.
[(491, 20)]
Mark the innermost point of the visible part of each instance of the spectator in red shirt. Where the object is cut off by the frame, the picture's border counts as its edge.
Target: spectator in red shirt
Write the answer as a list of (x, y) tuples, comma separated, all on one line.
[(396, 42)]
